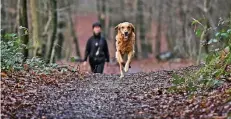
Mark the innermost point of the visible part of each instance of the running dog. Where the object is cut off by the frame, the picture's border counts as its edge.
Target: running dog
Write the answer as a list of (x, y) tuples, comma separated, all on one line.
[(125, 45)]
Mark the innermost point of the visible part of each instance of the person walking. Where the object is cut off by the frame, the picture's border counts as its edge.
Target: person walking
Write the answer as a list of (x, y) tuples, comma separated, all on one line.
[(96, 50)]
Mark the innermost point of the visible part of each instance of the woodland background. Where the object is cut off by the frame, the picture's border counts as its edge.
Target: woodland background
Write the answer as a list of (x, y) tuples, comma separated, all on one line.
[(58, 30), (43, 42)]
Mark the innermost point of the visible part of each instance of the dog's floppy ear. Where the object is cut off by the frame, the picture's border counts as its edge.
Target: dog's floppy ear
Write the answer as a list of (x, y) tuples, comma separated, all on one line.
[(133, 27), (117, 27)]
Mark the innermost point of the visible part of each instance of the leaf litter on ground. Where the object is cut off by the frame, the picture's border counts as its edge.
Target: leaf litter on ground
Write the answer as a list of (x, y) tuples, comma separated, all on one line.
[(26, 94)]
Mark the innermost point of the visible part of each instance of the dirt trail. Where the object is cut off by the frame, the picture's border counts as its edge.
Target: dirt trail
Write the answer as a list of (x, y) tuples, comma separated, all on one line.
[(138, 95), (100, 96)]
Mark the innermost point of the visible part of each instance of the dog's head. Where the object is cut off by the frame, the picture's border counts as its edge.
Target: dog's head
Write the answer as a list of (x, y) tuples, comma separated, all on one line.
[(125, 29)]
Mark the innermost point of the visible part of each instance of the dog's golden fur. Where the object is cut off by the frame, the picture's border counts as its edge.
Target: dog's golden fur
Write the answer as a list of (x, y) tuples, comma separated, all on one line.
[(125, 42)]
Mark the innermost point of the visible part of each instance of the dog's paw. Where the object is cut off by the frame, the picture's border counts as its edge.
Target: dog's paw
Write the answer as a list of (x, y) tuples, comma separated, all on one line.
[(121, 76), (126, 68), (123, 64)]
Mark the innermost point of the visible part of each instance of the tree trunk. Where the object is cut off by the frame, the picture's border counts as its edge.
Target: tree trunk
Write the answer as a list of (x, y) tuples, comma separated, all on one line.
[(98, 3), (170, 35), (149, 27), (72, 30), (230, 19), (101, 9), (35, 28), (60, 40), (207, 38), (122, 10), (103, 14), (110, 24), (183, 26), (44, 23), (24, 23), (159, 30), (142, 30), (54, 30), (200, 47), (3, 14), (206, 10), (137, 49)]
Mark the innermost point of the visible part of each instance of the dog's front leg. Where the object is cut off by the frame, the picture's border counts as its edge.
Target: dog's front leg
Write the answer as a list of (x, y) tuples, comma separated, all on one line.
[(120, 61), (121, 71), (130, 55)]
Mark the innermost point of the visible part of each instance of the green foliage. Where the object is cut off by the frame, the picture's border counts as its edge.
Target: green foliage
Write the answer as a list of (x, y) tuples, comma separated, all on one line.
[(198, 32), (11, 56), (215, 67), (39, 66), (73, 59)]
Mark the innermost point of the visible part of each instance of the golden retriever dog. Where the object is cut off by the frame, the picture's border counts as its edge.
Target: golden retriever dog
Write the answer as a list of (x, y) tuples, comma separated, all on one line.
[(125, 45)]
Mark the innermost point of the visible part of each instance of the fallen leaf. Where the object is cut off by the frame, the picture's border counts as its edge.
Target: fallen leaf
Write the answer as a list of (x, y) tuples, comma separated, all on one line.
[(3, 75)]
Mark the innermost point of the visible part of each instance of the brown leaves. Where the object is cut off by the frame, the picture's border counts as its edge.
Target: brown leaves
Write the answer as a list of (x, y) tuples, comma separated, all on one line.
[(19, 91), (26, 67), (26, 94), (3, 74)]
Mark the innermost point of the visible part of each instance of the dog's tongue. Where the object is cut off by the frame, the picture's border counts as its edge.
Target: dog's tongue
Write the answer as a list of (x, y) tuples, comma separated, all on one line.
[(125, 36)]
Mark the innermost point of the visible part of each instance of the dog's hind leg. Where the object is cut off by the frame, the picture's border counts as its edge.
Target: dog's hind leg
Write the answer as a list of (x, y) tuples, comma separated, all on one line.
[(130, 55)]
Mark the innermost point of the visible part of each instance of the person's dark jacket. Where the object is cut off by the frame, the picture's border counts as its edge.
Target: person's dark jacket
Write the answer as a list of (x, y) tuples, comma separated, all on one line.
[(91, 48)]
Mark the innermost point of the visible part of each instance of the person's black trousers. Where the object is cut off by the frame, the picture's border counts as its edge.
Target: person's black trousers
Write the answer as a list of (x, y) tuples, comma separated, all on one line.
[(96, 67)]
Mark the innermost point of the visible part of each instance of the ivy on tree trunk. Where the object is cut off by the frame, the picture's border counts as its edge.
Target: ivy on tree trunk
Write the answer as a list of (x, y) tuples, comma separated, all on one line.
[(23, 21), (54, 30)]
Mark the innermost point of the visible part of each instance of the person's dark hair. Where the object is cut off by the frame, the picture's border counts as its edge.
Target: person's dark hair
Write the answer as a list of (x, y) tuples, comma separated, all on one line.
[(96, 24)]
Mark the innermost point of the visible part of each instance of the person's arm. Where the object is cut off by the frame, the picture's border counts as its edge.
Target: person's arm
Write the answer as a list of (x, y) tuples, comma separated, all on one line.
[(87, 50), (106, 52)]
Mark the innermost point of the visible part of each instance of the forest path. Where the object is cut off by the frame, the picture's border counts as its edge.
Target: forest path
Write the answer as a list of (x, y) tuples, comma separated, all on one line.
[(137, 95)]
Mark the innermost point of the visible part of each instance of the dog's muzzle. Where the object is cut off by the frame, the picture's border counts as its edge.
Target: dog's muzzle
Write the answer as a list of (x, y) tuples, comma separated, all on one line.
[(125, 35)]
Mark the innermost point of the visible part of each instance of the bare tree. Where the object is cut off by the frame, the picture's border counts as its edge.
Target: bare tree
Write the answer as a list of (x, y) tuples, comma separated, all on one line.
[(206, 9), (141, 28), (35, 28), (24, 23), (101, 9), (72, 30), (159, 29), (172, 20), (54, 28)]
